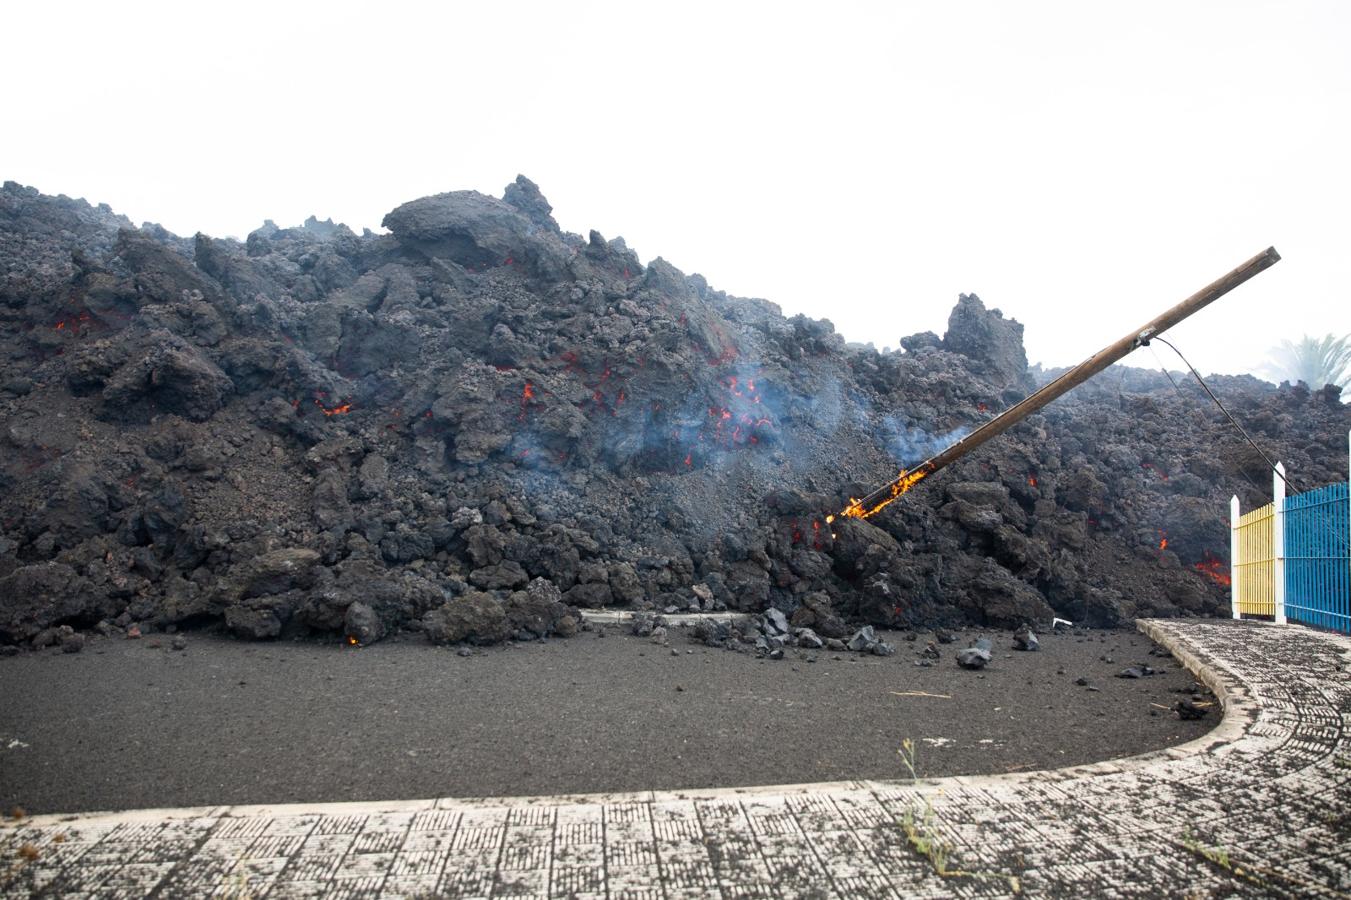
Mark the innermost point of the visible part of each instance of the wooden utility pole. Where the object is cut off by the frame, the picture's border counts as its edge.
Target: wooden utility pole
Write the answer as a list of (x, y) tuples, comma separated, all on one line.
[(874, 502)]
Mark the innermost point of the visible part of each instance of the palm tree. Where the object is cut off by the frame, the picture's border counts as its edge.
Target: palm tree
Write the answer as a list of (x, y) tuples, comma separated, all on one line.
[(1314, 361)]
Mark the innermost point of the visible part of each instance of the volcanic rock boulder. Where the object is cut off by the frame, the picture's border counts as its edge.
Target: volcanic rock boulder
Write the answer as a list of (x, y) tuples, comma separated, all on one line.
[(1025, 639), (163, 276), (539, 611), (396, 601), (993, 344), (525, 195), (275, 573), (992, 593), (479, 232), (37, 597), (262, 594), (362, 624), (330, 503), (475, 617), (79, 507), (865, 640), (171, 375), (977, 656), (818, 614)]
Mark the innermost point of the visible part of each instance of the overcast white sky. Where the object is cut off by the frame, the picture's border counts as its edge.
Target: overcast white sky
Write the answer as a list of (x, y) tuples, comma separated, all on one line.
[(1080, 166)]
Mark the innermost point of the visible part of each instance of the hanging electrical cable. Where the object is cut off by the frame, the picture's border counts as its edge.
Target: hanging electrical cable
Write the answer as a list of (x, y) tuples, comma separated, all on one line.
[(1271, 465)]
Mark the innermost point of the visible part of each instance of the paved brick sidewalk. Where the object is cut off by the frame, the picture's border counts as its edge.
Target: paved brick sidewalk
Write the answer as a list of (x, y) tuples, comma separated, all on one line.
[(1261, 805)]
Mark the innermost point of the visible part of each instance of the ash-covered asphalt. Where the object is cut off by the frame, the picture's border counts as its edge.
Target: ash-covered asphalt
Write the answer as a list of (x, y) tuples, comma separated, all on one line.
[(136, 724)]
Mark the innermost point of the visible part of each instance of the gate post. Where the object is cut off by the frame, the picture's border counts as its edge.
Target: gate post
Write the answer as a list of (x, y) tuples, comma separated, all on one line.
[(1234, 579), (1278, 542)]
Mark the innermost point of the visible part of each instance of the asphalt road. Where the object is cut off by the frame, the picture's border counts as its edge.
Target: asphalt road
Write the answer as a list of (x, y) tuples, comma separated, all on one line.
[(135, 724)]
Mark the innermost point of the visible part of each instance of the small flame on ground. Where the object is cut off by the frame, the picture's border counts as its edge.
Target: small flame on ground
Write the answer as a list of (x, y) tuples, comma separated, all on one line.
[(1163, 543), (353, 642), (1032, 480)]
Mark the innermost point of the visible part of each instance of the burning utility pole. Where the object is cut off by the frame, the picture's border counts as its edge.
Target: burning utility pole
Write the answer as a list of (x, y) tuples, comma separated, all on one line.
[(876, 501)]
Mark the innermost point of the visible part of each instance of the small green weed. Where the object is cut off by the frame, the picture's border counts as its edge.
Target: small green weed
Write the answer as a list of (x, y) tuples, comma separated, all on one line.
[(920, 826), (907, 754), (1219, 856), (923, 837)]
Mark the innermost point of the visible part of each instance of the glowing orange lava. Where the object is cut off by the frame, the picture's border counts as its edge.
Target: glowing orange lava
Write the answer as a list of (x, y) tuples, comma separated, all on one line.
[(74, 323), (342, 410), (527, 394), (1213, 568)]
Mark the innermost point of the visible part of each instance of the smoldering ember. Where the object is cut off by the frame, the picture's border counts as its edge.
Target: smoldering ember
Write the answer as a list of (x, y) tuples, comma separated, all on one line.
[(477, 424)]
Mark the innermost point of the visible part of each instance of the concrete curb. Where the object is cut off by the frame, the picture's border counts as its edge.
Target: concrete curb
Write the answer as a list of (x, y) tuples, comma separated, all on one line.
[(623, 616)]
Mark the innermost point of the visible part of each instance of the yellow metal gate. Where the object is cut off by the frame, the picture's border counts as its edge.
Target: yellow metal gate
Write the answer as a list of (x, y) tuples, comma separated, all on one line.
[(1255, 563)]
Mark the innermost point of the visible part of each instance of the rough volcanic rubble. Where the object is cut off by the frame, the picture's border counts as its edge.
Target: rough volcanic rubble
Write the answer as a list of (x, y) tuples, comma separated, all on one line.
[(477, 423)]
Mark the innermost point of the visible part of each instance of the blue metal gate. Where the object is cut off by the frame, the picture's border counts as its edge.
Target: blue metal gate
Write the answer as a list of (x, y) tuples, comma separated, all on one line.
[(1317, 565)]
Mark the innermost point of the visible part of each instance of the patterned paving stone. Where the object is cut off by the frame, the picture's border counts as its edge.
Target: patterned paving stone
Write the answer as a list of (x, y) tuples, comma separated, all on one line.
[(1260, 806)]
